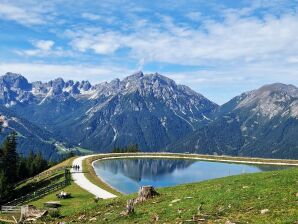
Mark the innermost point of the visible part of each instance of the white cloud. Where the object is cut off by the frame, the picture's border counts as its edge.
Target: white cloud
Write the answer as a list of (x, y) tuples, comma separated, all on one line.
[(91, 16), (195, 16), (106, 43), (44, 45), (41, 71), (45, 49), (42, 48), (20, 15), (230, 41)]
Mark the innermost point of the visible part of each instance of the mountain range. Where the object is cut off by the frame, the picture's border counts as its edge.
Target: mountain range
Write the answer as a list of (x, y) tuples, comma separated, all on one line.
[(150, 110)]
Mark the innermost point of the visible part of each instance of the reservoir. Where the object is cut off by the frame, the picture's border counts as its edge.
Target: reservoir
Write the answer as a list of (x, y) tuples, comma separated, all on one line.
[(127, 175)]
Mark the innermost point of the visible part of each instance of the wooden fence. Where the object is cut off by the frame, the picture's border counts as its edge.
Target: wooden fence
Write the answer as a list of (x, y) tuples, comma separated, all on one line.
[(10, 209), (37, 194), (44, 174)]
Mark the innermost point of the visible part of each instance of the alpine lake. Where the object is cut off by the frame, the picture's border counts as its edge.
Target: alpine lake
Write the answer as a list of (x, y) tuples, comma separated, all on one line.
[(127, 175)]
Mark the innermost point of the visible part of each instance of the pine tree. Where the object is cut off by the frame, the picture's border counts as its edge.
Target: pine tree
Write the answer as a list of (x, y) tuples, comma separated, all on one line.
[(10, 158), (30, 164), (3, 186), (23, 171)]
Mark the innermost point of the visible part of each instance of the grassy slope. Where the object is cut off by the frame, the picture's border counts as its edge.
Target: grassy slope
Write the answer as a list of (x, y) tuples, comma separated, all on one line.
[(92, 177), (237, 198), (39, 181)]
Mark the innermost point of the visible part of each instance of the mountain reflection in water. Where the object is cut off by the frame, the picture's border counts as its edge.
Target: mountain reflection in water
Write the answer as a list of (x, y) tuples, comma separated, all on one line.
[(138, 169), (127, 175)]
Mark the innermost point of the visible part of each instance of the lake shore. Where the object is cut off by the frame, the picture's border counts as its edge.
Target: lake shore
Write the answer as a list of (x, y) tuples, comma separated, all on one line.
[(97, 180)]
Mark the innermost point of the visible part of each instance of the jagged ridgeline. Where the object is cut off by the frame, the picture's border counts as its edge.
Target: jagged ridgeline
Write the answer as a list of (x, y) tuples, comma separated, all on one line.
[(149, 110), (152, 111)]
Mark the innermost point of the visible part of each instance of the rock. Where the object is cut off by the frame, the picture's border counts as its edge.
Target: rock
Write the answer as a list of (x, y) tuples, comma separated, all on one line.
[(188, 197), (145, 193), (229, 222), (63, 195), (31, 220), (31, 212), (297, 194), (176, 200), (82, 217), (52, 204), (155, 218), (93, 219), (264, 211), (129, 208), (197, 218)]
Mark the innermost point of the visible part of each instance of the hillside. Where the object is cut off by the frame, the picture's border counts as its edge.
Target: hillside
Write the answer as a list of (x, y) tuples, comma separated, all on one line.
[(30, 136), (259, 123), (238, 199), (148, 109)]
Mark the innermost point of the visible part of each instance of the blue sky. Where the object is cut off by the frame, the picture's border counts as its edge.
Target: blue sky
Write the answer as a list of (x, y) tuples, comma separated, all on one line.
[(218, 48)]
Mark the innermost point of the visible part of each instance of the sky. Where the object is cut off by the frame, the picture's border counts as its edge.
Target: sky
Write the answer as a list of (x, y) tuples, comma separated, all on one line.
[(219, 48)]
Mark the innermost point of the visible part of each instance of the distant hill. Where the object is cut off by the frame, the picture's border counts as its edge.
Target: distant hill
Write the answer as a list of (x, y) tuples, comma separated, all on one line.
[(30, 137), (259, 123)]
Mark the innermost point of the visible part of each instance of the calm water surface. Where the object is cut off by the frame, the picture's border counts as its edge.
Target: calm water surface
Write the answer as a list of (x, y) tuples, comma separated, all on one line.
[(127, 175)]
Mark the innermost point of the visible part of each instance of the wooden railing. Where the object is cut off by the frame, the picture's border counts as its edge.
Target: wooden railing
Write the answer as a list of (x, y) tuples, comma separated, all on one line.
[(38, 193), (44, 174), (10, 209)]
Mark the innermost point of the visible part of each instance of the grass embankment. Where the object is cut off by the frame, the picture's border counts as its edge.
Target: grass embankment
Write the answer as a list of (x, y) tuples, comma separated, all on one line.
[(238, 199), (92, 177)]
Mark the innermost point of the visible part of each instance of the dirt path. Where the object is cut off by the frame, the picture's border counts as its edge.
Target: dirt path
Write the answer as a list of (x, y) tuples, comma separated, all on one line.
[(80, 179)]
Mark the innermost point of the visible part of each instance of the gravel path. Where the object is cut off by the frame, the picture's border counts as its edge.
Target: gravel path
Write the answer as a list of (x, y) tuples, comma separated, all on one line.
[(80, 179)]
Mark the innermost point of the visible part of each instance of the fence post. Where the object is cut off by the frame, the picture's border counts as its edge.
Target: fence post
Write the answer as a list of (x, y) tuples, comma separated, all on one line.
[(67, 176)]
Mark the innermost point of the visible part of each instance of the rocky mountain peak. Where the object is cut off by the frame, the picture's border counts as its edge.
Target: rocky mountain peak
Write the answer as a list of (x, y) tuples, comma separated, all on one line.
[(270, 101), (279, 88), (13, 80)]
